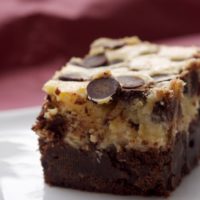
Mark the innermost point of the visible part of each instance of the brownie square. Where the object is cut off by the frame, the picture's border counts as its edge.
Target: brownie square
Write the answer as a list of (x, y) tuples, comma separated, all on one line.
[(124, 119)]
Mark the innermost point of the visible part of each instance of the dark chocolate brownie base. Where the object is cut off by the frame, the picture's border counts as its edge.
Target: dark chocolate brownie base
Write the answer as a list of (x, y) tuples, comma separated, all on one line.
[(155, 172)]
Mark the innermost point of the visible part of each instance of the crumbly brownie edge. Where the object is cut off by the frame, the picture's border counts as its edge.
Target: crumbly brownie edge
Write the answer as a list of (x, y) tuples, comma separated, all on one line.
[(154, 172)]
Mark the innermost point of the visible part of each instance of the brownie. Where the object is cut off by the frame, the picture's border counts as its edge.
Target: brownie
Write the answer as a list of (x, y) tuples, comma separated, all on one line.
[(128, 172), (124, 119)]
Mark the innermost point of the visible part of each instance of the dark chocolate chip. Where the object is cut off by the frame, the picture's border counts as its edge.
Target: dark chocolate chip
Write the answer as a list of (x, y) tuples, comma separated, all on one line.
[(72, 77), (95, 61), (102, 88), (162, 77), (130, 82)]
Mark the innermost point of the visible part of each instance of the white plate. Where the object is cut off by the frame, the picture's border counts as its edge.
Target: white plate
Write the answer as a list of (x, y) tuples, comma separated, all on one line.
[(21, 173)]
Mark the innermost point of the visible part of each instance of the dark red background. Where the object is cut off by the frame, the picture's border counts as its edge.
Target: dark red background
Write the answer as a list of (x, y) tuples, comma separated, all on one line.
[(38, 36)]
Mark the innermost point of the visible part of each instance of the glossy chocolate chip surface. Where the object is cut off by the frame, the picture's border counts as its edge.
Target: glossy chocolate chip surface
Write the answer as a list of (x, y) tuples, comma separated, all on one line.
[(130, 82), (73, 77), (94, 61), (102, 88)]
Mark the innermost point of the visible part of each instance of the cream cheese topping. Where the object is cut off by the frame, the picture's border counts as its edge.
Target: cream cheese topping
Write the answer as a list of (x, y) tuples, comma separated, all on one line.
[(142, 59), (124, 123)]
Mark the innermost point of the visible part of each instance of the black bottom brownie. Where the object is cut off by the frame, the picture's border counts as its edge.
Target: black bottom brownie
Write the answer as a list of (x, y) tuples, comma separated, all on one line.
[(155, 172)]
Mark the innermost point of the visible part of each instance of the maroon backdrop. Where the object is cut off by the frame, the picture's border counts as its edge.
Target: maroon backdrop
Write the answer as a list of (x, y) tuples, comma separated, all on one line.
[(38, 36)]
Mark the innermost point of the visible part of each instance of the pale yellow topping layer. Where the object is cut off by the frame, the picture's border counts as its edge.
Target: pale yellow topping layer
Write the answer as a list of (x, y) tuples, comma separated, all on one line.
[(123, 123), (137, 58)]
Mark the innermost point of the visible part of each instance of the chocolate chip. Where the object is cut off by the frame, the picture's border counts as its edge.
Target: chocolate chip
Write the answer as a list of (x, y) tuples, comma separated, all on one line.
[(162, 77), (72, 77), (102, 88), (95, 61), (130, 82)]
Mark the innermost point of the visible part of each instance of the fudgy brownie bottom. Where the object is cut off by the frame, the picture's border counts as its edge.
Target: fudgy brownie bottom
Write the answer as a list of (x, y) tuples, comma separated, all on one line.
[(154, 172)]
